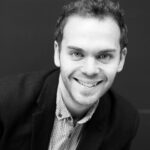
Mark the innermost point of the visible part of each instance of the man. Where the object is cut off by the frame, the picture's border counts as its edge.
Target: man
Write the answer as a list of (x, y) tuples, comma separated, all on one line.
[(73, 108)]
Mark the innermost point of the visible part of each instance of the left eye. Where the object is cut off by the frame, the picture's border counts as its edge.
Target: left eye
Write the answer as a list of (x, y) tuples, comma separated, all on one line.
[(104, 58)]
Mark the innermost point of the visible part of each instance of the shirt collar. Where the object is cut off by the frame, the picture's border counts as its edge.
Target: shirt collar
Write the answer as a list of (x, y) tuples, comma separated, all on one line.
[(63, 113)]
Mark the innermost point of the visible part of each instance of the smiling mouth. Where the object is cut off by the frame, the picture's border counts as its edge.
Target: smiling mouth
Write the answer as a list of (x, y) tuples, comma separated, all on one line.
[(89, 84)]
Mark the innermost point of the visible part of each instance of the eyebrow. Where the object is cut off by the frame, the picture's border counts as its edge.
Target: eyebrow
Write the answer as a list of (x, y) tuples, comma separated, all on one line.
[(76, 48), (99, 51), (107, 51)]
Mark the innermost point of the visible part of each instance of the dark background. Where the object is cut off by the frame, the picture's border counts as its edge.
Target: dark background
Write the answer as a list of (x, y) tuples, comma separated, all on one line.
[(26, 44)]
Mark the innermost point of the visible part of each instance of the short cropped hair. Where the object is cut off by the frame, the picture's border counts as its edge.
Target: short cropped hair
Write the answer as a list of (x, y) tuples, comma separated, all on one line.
[(92, 8)]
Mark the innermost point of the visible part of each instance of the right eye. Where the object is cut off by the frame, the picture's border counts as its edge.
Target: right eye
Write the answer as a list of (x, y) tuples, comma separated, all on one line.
[(77, 55)]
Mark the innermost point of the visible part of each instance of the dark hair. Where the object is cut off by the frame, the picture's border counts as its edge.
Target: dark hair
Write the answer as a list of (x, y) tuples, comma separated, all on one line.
[(92, 8)]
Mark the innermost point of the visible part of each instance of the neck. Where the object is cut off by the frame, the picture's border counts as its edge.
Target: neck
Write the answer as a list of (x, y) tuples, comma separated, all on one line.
[(76, 110)]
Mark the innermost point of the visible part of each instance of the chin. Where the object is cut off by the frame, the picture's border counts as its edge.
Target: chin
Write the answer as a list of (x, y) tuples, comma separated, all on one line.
[(86, 101)]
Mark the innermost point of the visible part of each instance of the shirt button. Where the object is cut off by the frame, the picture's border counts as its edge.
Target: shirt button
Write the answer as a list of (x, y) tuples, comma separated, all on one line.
[(69, 118), (69, 136), (60, 115)]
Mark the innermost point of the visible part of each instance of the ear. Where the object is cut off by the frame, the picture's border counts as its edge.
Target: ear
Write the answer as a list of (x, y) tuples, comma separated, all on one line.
[(123, 54), (56, 54)]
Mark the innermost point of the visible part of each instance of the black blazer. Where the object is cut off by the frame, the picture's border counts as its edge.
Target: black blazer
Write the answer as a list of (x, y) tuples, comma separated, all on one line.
[(27, 111)]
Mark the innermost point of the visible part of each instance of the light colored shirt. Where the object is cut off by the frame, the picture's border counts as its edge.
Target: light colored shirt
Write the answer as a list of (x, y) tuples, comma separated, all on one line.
[(66, 133)]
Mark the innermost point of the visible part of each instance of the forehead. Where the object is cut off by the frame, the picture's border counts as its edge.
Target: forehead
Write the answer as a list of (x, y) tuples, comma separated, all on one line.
[(80, 29), (88, 22)]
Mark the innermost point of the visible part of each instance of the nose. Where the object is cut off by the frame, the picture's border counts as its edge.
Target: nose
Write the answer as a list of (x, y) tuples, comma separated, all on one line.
[(90, 67)]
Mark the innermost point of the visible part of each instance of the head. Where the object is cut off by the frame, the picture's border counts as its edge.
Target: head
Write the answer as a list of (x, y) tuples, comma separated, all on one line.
[(90, 49), (92, 8)]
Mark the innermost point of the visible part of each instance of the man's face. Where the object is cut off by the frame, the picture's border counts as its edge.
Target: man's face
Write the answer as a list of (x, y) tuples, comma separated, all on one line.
[(89, 58)]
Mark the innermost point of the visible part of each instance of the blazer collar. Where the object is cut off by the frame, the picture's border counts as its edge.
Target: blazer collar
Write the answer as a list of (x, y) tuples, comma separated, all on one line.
[(43, 118)]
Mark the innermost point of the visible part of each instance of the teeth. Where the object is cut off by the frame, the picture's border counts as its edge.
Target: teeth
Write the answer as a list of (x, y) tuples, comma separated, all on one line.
[(89, 85)]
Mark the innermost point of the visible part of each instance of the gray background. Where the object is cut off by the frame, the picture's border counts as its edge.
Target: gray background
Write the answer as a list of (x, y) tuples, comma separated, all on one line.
[(26, 44)]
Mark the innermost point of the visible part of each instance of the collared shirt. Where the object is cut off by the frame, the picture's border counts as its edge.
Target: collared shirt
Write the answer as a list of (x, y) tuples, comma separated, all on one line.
[(66, 133)]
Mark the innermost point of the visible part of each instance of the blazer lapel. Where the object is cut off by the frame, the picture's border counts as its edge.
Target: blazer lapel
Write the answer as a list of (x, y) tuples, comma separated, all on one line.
[(43, 119), (94, 131)]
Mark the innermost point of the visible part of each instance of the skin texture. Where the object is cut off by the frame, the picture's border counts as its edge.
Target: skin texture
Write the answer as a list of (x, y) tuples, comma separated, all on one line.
[(89, 59)]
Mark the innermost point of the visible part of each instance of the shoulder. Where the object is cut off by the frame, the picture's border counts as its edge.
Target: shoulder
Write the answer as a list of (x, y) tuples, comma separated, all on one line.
[(123, 105), (20, 91), (125, 115), (23, 81)]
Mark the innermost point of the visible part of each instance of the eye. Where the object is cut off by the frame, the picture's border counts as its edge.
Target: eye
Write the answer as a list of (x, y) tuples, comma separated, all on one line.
[(76, 55), (104, 58)]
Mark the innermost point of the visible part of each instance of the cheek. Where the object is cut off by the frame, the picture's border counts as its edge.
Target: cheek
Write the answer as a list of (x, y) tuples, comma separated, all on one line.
[(68, 66), (65, 61), (67, 71), (110, 71)]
